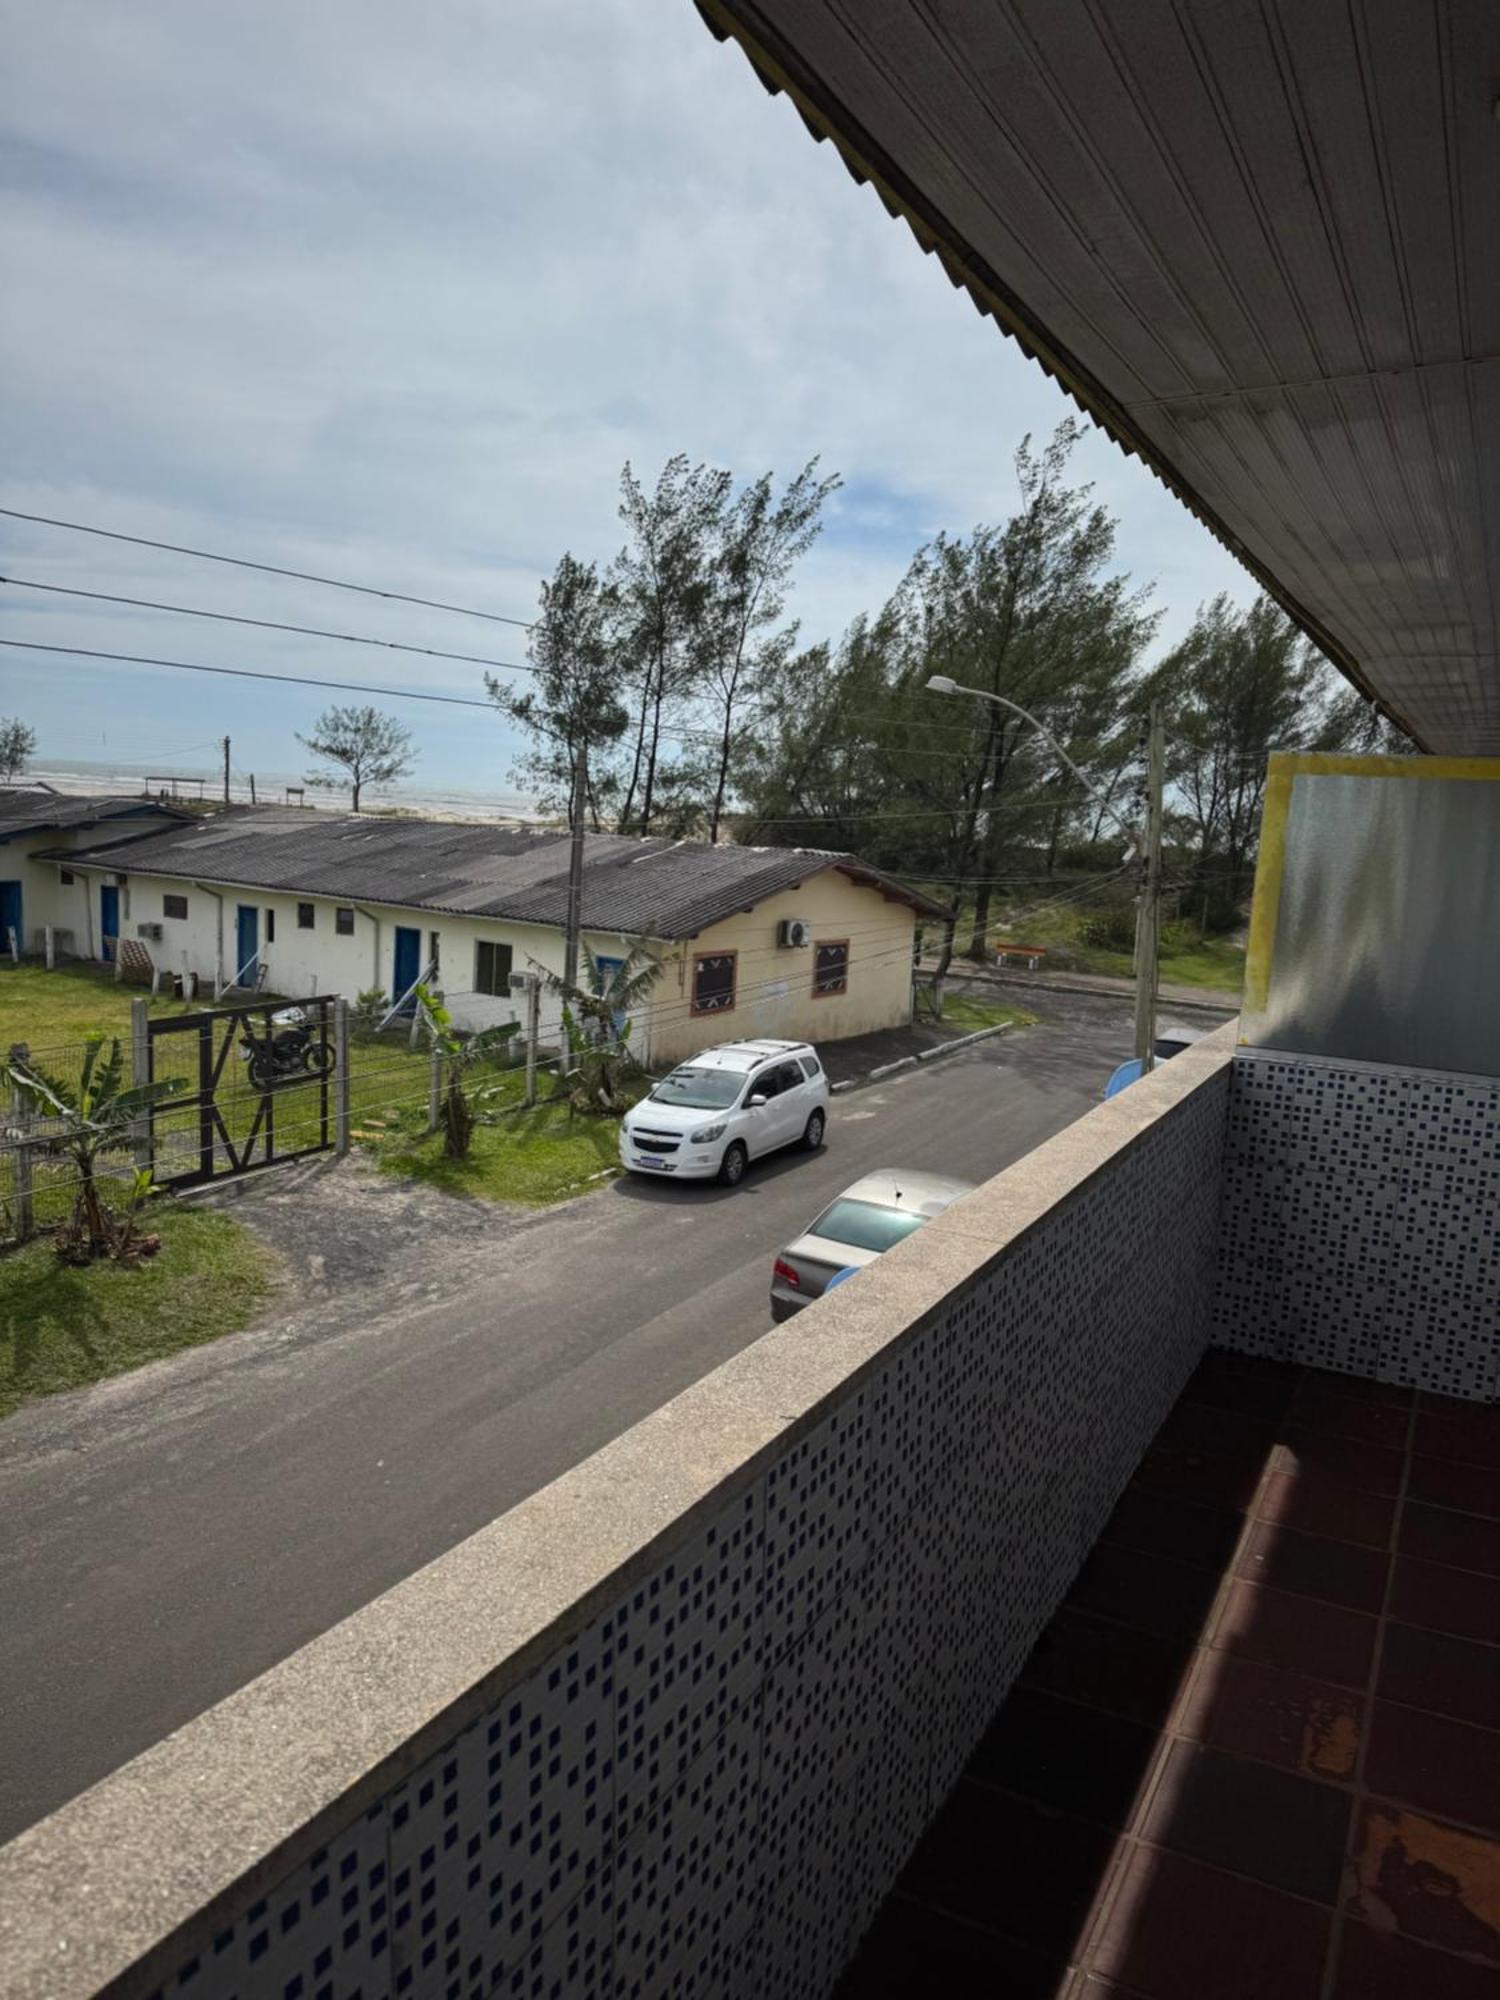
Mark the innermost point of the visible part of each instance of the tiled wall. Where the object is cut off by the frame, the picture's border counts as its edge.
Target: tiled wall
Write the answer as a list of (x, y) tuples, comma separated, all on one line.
[(1361, 1221), (708, 1791)]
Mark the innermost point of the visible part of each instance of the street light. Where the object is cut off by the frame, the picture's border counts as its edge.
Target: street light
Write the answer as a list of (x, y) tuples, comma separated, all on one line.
[(1150, 891)]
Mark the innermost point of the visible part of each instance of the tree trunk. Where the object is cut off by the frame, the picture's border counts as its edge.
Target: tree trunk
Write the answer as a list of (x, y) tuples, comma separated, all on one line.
[(723, 777), (979, 936), (356, 783), (1052, 841)]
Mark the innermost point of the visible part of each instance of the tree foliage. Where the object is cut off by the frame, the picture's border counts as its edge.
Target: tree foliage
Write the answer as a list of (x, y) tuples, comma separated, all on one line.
[(17, 746), (373, 748), (1244, 682), (658, 665), (84, 1121)]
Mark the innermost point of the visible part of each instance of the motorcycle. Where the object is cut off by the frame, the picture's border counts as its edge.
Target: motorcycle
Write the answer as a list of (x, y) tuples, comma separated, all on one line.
[(289, 1050)]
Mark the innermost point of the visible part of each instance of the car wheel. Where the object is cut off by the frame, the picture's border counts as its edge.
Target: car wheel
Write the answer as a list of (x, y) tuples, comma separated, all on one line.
[(732, 1166), (812, 1138)]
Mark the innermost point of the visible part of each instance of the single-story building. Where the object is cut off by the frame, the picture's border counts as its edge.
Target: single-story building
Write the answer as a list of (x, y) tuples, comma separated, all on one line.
[(35, 820), (755, 940)]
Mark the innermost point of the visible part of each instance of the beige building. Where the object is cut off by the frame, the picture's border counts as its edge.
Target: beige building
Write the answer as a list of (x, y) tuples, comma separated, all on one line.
[(755, 940)]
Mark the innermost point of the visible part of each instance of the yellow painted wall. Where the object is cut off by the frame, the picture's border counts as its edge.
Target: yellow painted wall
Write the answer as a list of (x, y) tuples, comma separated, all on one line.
[(773, 991)]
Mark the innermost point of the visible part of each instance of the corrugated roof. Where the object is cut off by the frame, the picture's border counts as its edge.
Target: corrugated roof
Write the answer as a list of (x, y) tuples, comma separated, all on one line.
[(35, 809), (658, 888), (1256, 243)]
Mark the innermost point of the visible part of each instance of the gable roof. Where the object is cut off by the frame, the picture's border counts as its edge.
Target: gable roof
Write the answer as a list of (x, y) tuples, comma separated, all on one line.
[(38, 809), (657, 888)]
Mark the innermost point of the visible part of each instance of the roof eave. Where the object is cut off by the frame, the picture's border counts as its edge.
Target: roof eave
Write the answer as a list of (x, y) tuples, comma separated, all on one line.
[(781, 70)]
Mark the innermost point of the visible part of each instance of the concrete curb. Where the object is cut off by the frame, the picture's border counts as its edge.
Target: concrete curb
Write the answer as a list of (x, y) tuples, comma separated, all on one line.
[(925, 1055)]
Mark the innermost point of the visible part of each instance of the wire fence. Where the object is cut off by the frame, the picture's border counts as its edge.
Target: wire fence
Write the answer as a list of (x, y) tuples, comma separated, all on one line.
[(393, 1090)]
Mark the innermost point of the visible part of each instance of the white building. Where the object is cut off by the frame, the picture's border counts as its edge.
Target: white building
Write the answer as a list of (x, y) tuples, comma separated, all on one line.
[(767, 941)]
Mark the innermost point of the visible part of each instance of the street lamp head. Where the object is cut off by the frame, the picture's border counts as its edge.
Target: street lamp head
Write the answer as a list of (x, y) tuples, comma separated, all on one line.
[(942, 684)]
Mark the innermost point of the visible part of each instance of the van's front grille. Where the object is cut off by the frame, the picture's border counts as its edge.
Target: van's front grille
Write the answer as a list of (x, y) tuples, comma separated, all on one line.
[(656, 1142)]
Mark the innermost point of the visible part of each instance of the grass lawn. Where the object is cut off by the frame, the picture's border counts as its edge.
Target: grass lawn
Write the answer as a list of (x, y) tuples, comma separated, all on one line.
[(53, 1011), (1185, 961), (61, 1328), (966, 1013), (533, 1157)]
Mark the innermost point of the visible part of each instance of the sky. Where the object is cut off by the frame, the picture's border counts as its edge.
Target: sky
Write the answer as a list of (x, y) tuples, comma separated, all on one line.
[(391, 295)]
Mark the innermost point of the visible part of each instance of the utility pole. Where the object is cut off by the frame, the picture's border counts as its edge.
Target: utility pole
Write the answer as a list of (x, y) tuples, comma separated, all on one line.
[(226, 770), (575, 866), (533, 1030), (1148, 906)]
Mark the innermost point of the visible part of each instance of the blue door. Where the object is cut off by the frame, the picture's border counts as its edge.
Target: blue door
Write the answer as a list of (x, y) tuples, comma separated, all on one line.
[(408, 966), (608, 967), (246, 941), (10, 915), (109, 921)]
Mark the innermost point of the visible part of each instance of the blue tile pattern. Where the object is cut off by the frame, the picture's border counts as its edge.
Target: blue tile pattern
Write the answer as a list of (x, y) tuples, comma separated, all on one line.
[(707, 1792), (1361, 1222)]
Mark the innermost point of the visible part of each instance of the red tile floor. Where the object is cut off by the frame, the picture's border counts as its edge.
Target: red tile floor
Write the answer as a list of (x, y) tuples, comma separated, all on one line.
[(1256, 1755)]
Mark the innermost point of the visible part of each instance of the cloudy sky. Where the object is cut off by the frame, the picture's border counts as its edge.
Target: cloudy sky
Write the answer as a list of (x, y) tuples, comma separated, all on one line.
[(391, 295)]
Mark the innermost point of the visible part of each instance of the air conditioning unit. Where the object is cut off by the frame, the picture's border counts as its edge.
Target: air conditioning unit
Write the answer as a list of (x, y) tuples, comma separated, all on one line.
[(794, 931), (153, 931), (520, 981)]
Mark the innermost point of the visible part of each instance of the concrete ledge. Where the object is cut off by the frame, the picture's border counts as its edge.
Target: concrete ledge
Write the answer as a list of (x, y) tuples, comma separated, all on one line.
[(114, 1890)]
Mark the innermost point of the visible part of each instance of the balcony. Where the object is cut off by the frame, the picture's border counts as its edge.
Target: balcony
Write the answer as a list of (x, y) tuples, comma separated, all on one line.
[(1257, 1750), (1101, 1592)]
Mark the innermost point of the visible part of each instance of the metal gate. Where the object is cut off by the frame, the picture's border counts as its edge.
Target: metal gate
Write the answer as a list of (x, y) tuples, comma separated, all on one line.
[(249, 1101)]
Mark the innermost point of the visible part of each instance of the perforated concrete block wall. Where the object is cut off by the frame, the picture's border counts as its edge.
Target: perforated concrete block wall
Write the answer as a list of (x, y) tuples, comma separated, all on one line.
[(1361, 1221), (709, 1790)]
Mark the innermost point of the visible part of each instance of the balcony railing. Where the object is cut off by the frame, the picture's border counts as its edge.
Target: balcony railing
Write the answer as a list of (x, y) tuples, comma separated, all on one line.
[(677, 1723)]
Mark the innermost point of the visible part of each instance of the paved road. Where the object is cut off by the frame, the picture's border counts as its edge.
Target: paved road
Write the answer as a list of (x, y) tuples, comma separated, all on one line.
[(167, 1536)]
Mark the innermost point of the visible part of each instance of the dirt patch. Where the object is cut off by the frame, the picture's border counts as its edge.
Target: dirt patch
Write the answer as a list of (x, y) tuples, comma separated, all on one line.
[(355, 1242)]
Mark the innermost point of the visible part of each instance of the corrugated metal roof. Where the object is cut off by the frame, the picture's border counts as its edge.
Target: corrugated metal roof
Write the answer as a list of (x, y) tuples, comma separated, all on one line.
[(658, 888), (1257, 243), (35, 809)]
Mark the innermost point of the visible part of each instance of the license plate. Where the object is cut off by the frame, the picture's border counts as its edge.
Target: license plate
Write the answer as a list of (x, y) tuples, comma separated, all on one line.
[(644, 1160)]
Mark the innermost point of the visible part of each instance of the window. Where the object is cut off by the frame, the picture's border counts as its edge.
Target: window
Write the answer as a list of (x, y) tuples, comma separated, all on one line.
[(343, 922), (67, 878), (713, 982), (174, 906), (811, 1067), (865, 1224), (270, 927), (491, 967), (830, 968), (305, 915)]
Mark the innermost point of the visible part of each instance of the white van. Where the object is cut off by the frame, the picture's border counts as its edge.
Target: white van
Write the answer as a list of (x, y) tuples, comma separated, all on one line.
[(723, 1108)]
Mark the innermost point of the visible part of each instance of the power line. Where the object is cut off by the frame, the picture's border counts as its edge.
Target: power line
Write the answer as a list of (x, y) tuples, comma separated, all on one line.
[(268, 569), (251, 674), (268, 624)]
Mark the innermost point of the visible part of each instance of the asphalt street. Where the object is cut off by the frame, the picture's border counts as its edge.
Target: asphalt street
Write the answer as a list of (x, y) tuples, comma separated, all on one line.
[(166, 1536)]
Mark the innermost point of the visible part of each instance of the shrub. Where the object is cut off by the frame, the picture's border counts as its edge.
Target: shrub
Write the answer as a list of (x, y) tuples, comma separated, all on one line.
[(1109, 929)]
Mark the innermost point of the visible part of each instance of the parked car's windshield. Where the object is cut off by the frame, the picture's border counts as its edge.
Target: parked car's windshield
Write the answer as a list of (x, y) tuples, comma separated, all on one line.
[(865, 1224), (699, 1089)]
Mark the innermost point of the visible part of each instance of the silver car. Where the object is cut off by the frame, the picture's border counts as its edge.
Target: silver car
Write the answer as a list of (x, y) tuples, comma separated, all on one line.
[(867, 1218)]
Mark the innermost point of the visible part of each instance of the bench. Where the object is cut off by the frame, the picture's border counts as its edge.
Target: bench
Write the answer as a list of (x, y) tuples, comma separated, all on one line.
[(1033, 954)]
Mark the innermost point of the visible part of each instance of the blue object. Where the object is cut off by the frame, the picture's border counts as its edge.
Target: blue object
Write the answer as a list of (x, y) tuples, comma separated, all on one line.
[(10, 915), (406, 966), (608, 967), (109, 921), (1127, 1073), (246, 937), (849, 1271)]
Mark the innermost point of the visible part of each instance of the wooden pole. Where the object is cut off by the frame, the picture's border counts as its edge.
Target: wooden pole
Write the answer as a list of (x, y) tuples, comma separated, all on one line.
[(1147, 916), (341, 1076), (226, 770)]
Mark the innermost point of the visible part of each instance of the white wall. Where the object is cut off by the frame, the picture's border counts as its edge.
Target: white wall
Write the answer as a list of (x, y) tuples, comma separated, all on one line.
[(301, 962)]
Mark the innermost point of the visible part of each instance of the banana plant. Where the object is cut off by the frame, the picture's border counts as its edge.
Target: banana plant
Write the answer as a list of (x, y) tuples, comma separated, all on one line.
[(95, 1116), (596, 1024), (459, 1052)]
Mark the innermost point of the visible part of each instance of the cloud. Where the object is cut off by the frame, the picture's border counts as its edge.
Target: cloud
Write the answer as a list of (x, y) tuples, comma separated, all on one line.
[(393, 296)]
